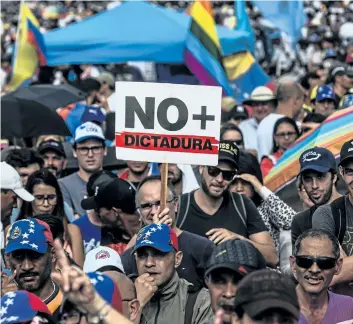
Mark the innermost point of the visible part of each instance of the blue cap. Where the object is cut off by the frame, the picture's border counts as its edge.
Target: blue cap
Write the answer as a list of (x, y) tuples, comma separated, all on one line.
[(317, 159), (346, 101), (330, 53), (29, 234), (93, 114), (325, 92), (158, 236)]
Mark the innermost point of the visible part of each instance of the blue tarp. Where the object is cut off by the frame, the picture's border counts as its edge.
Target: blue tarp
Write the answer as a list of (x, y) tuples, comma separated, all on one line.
[(134, 31)]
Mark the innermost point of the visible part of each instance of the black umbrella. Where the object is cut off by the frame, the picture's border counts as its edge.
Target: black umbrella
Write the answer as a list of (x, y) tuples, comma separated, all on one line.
[(52, 96), (26, 118)]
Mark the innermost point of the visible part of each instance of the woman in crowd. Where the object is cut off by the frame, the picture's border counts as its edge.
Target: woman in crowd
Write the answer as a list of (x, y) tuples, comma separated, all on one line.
[(49, 200), (276, 214), (231, 132), (285, 133)]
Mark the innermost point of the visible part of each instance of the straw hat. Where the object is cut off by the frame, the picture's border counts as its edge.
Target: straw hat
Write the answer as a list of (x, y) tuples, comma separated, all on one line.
[(260, 94)]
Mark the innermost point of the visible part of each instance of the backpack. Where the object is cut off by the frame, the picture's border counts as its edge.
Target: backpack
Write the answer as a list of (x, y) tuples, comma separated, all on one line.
[(338, 208), (190, 303), (184, 204)]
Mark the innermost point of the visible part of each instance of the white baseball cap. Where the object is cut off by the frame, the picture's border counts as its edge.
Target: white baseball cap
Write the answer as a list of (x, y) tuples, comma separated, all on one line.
[(88, 130), (100, 257), (10, 179)]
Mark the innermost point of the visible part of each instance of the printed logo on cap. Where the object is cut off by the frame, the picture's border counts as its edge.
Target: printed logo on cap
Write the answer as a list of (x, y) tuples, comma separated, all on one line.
[(101, 255), (311, 156), (16, 233)]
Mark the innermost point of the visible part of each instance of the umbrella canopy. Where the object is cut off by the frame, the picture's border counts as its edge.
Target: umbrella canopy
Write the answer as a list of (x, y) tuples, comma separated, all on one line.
[(51, 96), (26, 118), (331, 134)]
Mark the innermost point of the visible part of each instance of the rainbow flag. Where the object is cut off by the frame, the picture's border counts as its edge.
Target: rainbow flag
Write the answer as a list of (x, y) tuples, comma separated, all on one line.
[(205, 61), (331, 134), (25, 59)]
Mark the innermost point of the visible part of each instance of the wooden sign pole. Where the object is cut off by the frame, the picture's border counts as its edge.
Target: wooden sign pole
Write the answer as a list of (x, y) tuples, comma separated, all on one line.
[(164, 187)]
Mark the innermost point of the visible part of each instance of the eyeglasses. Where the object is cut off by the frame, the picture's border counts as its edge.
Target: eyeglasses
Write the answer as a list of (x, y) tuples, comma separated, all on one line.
[(214, 172), (52, 199), (148, 206), (84, 149), (286, 134), (323, 263)]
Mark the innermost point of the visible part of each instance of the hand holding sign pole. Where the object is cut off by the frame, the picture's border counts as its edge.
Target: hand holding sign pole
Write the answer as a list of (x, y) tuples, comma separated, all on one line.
[(168, 123)]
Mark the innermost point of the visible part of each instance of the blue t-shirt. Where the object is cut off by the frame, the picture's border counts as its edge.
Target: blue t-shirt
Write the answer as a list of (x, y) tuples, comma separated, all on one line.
[(91, 234)]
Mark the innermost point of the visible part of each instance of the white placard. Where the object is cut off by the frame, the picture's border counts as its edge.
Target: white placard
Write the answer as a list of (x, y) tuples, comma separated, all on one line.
[(162, 122)]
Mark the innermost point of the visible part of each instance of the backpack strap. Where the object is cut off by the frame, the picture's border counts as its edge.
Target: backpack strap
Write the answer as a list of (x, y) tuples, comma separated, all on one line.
[(183, 209), (338, 208), (190, 303), (243, 216)]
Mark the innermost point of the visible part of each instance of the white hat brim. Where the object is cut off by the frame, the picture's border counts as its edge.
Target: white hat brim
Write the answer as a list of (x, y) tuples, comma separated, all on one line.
[(24, 194)]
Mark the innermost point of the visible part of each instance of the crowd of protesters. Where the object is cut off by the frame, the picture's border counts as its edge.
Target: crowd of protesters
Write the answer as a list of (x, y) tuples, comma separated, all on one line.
[(89, 244)]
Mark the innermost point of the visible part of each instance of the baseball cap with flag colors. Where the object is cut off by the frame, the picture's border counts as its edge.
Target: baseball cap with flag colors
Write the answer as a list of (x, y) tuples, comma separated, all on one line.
[(158, 236), (11, 180), (29, 234), (21, 306), (88, 130)]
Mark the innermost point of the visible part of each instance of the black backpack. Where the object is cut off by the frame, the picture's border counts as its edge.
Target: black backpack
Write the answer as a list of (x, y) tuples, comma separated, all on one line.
[(338, 208), (184, 203)]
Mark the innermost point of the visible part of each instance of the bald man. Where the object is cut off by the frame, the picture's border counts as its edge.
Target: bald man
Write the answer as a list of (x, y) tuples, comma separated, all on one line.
[(131, 305)]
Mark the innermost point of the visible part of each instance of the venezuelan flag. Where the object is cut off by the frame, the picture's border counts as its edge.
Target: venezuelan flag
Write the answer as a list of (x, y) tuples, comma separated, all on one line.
[(25, 59), (203, 54)]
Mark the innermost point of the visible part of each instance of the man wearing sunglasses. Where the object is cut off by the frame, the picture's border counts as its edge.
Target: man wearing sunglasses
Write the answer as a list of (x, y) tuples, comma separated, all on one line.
[(213, 212), (337, 219), (89, 150), (315, 261)]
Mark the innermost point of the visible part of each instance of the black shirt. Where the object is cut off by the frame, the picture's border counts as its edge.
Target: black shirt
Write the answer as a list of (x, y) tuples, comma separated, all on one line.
[(195, 250), (198, 222), (301, 222)]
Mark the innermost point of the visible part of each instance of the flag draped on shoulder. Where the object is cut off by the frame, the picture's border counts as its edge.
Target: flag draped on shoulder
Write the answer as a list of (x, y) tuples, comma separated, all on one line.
[(203, 54), (29, 49)]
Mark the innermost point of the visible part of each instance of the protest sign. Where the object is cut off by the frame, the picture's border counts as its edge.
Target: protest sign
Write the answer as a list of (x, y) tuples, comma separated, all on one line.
[(161, 122)]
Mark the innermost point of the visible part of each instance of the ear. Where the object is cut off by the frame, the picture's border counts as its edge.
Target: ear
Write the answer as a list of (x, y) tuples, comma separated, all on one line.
[(338, 267), (293, 265), (178, 258), (207, 281), (53, 256), (74, 153), (201, 168), (341, 173), (335, 177), (134, 307), (117, 211), (176, 206), (105, 151), (64, 164)]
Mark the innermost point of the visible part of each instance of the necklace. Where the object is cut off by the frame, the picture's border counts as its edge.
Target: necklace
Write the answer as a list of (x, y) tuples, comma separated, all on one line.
[(45, 300)]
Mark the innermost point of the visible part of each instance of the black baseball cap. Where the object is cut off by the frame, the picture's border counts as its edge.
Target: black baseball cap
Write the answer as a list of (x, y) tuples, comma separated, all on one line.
[(346, 152), (52, 145), (228, 152), (237, 255), (115, 193), (266, 289), (318, 159), (239, 112), (98, 178)]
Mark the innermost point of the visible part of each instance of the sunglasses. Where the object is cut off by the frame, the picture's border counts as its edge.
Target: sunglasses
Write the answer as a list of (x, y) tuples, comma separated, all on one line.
[(323, 263), (214, 172)]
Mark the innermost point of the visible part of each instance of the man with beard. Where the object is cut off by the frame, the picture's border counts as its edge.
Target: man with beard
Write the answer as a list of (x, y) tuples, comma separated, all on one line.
[(315, 261), (112, 202), (213, 212), (228, 264), (54, 156), (136, 171), (318, 176), (337, 218), (89, 150), (31, 257)]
